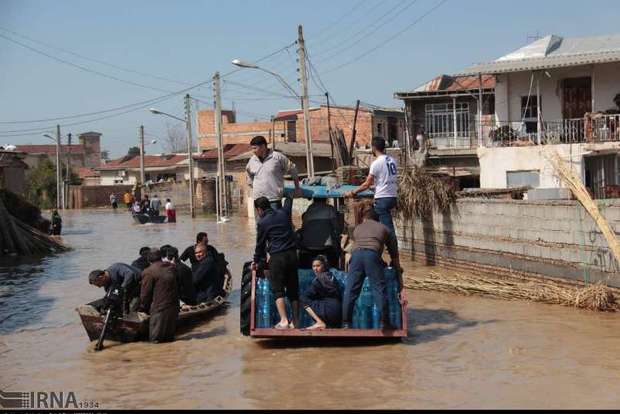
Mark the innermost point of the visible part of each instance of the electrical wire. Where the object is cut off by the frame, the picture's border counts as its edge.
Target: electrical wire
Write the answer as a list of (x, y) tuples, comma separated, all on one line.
[(366, 53)]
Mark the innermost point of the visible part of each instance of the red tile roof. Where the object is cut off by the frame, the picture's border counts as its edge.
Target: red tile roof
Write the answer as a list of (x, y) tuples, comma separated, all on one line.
[(50, 149), (84, 172), (165, 160), (230, 150)]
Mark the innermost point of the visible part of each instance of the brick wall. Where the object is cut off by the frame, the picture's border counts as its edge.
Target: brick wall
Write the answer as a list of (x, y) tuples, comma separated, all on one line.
[(551, 238), (81, 196), (234, 132)]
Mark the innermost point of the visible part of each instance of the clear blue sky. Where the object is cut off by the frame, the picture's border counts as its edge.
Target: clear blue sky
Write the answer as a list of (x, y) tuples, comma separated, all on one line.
[(173, 44)]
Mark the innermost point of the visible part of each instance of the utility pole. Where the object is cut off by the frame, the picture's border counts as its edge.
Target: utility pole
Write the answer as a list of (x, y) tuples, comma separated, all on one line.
[(141, 141), (221, 178), (304, 100), (190, 161), (68, 173), (58, 169)]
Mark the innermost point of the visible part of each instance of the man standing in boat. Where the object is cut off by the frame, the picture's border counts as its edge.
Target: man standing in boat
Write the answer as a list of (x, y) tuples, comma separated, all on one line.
[(275, 235), (159, 297), (370, 238), (266, 170), (383, 175)]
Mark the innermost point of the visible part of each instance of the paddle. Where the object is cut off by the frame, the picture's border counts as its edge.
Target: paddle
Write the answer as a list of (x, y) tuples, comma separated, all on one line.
[(110, 300)]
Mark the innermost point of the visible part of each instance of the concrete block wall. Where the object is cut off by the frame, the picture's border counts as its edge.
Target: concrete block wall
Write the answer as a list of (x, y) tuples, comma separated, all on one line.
[(552, 238)]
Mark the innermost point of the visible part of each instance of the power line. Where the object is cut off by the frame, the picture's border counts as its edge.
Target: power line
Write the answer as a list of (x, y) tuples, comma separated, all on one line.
[(337, 22), (94, 60), (395, 12), (361, 56), (84, 68)]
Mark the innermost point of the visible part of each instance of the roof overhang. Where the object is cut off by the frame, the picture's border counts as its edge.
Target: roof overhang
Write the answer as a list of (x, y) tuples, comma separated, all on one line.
[(439, 94), (551, 62)]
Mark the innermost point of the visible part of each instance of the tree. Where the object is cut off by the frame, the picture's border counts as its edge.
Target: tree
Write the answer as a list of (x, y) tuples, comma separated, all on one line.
[(175, 140), (133, 152), (41, 184)]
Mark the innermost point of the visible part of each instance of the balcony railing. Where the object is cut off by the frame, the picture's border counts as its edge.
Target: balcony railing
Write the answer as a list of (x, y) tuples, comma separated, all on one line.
[(598, 128)]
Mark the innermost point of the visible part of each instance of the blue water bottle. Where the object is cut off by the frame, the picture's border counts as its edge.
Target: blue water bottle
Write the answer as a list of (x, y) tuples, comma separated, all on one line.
[(376, 316)]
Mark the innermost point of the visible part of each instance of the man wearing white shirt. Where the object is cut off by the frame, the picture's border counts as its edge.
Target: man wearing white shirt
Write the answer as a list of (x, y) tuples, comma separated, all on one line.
[(383, 175)]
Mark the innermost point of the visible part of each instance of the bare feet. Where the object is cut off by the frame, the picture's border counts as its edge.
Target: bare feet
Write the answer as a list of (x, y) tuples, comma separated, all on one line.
[(282, 325), (317, 325)]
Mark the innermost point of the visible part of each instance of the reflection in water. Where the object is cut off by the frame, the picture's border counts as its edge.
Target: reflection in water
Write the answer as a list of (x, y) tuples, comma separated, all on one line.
[(462, 352)]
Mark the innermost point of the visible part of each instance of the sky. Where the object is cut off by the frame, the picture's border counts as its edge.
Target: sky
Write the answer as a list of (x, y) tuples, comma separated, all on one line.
[(84, 60)]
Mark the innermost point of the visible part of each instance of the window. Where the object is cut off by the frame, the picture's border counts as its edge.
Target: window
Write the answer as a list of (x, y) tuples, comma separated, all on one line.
[(529, 178), (439, 119), (380, 130), (529, 112)]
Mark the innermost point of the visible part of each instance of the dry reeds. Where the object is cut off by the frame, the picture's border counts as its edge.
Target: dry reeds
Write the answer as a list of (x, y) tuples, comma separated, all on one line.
[(420, 193), (596, 297)]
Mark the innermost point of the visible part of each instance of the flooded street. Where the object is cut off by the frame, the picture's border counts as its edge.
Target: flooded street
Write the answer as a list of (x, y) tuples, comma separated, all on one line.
[(463, 352)]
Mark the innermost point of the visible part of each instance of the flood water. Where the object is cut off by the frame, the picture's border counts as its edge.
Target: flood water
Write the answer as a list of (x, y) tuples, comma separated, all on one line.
[(462, 352)]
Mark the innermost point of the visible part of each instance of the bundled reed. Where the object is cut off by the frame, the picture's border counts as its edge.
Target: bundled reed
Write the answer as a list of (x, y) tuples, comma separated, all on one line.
[(420, 193), (597, 297)]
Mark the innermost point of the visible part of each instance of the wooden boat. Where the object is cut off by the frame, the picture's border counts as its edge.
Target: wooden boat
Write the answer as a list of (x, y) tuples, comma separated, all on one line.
[(145, 218), (135, 326)]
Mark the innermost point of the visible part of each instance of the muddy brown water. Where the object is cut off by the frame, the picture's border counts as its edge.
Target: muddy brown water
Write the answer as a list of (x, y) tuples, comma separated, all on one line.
[(462, 352)]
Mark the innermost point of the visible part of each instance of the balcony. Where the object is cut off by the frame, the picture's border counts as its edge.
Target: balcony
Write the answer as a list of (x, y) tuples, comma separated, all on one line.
[(595, 128)]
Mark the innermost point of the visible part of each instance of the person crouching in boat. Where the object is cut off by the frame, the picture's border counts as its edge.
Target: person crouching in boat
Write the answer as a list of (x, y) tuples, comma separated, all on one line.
[(142, 262), (370, 237), (190, 254), (187, 293), (159, 297), (322, 299), (123, 277), (207, 277)]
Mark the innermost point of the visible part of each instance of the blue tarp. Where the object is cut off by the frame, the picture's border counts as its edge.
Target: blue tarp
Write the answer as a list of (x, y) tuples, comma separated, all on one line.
[(322, 191)]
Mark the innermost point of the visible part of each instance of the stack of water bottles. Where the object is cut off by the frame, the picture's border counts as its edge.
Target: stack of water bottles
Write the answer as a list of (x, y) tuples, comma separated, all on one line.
[(366, 313)]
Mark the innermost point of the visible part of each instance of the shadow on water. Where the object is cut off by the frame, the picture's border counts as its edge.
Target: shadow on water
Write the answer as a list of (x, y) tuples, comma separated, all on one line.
[(20, 302), (418, 319)]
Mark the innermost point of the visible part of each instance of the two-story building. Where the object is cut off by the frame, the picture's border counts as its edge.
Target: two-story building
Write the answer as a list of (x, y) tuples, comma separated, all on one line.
[(157, 168), (560, 92)]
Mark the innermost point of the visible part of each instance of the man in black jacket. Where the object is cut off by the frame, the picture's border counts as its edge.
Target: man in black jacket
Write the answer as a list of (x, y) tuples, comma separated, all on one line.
[(274, 229), (142, 262)]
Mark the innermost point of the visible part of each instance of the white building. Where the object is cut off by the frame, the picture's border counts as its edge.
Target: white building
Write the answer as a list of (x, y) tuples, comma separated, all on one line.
[(126, 170), (563, 92)]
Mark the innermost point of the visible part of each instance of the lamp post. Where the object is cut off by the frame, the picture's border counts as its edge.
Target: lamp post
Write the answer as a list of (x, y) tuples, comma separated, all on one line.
[(304, 104), (188, 125), (57, 140)]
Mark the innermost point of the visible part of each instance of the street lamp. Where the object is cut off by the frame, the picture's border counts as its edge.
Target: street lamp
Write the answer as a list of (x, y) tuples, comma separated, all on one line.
[(188, 126), (57, 140), (248, 65)]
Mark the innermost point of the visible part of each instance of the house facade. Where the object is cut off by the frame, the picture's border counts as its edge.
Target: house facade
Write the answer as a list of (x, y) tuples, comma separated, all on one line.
[(288, 126), (157, 168), (557, 92)]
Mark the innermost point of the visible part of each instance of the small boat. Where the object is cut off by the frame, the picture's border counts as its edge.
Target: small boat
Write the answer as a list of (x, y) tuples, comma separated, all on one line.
[(145, 218), (135, 326)]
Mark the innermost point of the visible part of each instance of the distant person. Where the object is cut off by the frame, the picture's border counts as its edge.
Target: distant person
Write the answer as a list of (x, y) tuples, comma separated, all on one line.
[(155, 205), (159, 297), (123, 277), (142, 262), (113, 201), (145, 205), (383, 175), (170, 211), (275, 235), (370, 237), (128, 200), (322, 299), (137, 208), (187, 293), (56, 226), (266, 170), (208, 277), (320, 233)]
